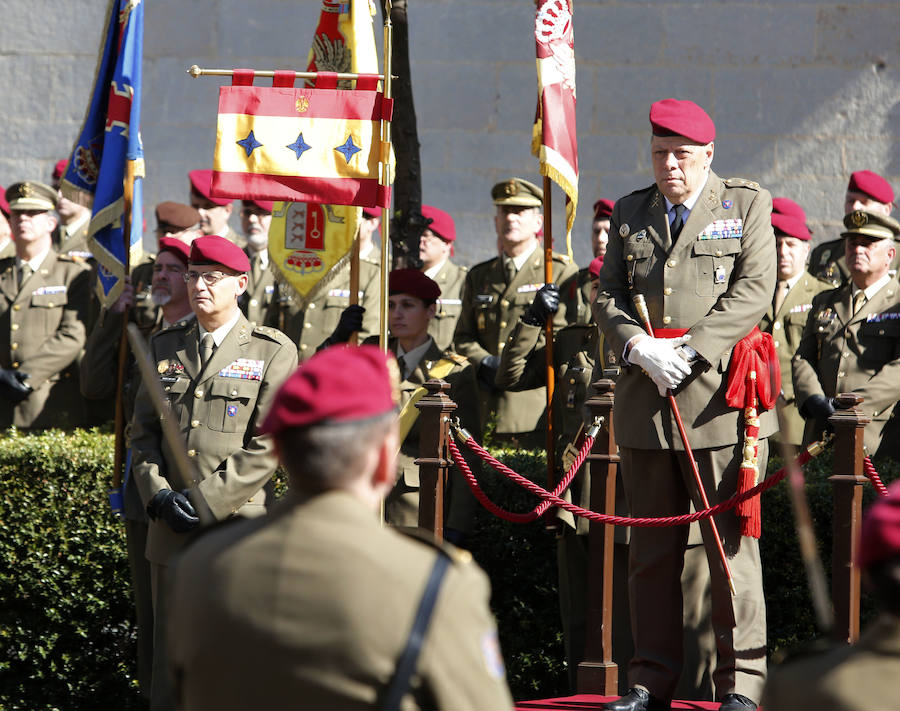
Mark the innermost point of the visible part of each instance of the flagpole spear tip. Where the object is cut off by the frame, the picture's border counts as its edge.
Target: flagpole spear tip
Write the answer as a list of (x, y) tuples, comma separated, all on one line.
[(195, 71)]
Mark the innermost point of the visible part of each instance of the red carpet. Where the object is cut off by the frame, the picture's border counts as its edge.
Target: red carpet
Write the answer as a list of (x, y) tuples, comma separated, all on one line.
[(586, 702)]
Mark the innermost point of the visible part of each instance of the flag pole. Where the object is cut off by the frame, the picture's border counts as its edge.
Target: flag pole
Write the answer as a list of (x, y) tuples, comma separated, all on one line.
[(548, 334), (385, 181)]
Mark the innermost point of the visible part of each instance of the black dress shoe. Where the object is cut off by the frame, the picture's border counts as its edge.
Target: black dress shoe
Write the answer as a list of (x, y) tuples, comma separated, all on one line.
[(636, 700), (736, 702)]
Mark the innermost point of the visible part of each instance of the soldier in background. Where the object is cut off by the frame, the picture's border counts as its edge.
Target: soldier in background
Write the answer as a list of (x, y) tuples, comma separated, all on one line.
[(866, 191), (314, 604), (435, 250), (71, 234), (599, 239), (368, 226), (7, 247), (43, 311), (214, 211), (851, 343), (262, 290), (496, 294), (786, 317)]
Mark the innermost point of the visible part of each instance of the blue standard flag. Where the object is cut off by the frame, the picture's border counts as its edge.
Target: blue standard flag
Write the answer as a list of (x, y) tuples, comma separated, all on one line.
[(107, 161)]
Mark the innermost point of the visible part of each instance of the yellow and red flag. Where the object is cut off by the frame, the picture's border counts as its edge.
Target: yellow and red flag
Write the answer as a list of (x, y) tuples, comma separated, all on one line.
[(554, 138)]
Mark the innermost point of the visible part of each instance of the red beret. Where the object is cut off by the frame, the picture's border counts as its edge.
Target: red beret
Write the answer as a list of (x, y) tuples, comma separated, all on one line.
[(671, 117), (594, 267), (371, 212), (791, 226), (212, 249), (871, 184), (786, 206), (441, 223), (326, 389), (4, 205), (175, 246), (880, 535), (414, 283), (603, 208), (201, 182), (266, 205), (59, 170)]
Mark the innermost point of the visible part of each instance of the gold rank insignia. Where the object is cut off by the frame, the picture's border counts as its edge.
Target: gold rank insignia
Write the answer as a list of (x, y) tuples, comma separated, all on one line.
[(859, 218)]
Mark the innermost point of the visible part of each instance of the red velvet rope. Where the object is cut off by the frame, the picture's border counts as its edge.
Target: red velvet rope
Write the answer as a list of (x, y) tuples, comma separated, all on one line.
[(869, 471)]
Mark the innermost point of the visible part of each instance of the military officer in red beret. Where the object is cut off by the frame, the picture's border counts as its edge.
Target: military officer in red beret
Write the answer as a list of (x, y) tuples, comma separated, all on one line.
[(599, 239), (214, 211), (220, 374), (700, 249), (315, 604), (794, 292), (435, 250), (866, 191)]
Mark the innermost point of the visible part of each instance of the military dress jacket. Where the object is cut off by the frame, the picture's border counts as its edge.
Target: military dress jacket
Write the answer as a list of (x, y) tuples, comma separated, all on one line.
[(786, 328), (42, 332), (312, 605), (74, 244), (716, 281), (855, 677), (261, 294), (217, 410), (843, 352), (490, 310), (829, 263), (584, 283), (451, 278)]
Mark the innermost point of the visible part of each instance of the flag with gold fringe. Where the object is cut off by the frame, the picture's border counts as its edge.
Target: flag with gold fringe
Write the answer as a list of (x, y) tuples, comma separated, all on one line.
[(554, 138)]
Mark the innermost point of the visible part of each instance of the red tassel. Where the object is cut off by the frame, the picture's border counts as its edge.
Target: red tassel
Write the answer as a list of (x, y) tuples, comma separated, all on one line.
[(749, 511)]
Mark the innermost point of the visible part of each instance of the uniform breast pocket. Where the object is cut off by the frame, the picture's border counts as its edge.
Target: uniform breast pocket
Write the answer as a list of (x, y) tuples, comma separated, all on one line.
[(714, 263), (48, 308), (175, 388), (231, 403), (636, 254), (878, 343)]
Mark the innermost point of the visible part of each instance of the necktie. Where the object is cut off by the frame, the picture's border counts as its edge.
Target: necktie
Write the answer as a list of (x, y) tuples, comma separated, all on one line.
[(510, 267), (678, 222), (859, 298), (256, 269), (24, 273), (401, 366), (781, 293), (207, 346)]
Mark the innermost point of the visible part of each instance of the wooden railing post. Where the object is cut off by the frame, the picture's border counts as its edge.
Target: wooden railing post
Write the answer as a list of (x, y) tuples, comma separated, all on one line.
[(847, 483), (433, 460), (598, 674)]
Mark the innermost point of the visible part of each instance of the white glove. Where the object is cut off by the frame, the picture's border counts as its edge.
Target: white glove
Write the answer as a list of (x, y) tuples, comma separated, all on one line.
[(659, 358)]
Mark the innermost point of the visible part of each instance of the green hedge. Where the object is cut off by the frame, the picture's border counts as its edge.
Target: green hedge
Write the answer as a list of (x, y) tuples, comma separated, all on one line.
[(66, 631)]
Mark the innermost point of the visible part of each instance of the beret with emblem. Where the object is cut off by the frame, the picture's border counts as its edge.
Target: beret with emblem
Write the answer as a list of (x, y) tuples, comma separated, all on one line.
[(59, 170), (871, 184), (201, 183), (674, 117), (176, 247), (441, 223), (594, 267), (414, 283), (325, 389), (212, 249), (880, 536), (603, 208), (790, 226), (786, 206), (871, 224), (31, 195), (266, 205), (516, 191), (176, 215)]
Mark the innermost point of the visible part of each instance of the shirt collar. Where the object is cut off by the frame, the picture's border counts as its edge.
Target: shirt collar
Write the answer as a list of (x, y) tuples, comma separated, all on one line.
[(412, 358), (872, 289), (522, 258), (432, 272), (36, 262), (222, 331)]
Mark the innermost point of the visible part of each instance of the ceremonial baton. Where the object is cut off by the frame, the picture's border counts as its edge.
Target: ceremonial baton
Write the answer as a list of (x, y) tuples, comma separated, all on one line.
[(183, 475), (641, 305)]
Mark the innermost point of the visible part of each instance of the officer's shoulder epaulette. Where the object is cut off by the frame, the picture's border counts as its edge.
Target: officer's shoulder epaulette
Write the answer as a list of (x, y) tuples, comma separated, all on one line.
[(741, 183), (69, 259), (172, 327), (563, 258), (273, 334), (486, 264), (640, 192), (460, 556), (456, 357)]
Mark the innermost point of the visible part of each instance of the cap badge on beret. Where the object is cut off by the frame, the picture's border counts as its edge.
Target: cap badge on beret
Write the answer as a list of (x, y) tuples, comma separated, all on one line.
[(859, 218)]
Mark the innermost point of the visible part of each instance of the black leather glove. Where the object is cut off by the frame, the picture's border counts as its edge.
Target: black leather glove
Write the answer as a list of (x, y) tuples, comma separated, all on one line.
[(13, 386), (545, 304), (818, 407), (351, 320), (175, 509), (487, 369)]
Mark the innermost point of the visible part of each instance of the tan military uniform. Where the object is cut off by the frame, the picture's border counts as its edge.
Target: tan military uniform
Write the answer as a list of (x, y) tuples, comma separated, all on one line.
[(583, 282), (42, 332), (491, 307), (338, 628), (786, 328), (73, 243), (312, 325), (450, 278), (828, 263), (146, 314), (8, 249), (261, 296), (857, 677), (715, 281), (845, 353)]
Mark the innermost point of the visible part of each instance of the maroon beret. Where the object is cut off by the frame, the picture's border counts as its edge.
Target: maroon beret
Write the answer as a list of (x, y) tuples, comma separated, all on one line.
[(414, 283), (326, 389), (603, 208), (266, 205), (371, 212), (176, 214), (790, 226), (212, 249), (786, 206), (59, 170), (880, 535), (594, 267), (4, 205), (175, 246), (672, 117), (201, 182), (871, 184), (441, 223)]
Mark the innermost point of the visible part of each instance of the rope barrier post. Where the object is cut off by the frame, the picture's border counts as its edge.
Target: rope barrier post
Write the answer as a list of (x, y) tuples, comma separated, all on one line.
[(433, 462), (847, 485), (598, 674)]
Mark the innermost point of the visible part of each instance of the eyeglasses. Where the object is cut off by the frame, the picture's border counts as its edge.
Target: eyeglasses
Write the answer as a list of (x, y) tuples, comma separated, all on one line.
[(209, 278)]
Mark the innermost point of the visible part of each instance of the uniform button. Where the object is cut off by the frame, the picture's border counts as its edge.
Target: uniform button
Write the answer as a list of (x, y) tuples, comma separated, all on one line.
[(880, 331), (192, 452), (667, 291), (195, 423), (254, 302), (49, 304), (718, 252), (17, 307), (629, 258), (571, 381), (234, 393), (198, 393), (168, 388), (667, 319), (501, 347), (15, 327), (503, 324), (302, 346), (776, 343), (16, 364), (776, 326), (307, 325), (845, 355), (504, 303), (671, 262), (311, 306), (14, 346), (841, 374)]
